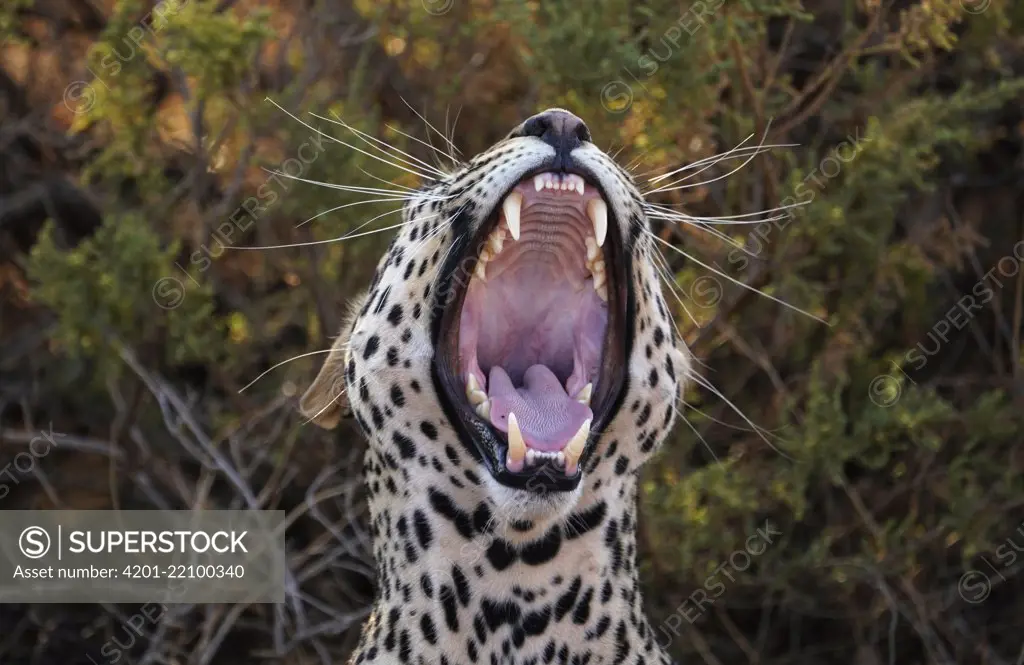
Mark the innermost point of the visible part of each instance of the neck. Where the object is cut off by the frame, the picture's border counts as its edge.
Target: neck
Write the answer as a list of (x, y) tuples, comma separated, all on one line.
[(460, 583)]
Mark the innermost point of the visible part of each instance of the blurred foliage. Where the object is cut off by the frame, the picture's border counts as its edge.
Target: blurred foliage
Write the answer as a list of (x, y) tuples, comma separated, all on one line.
[(112, 272), (898, 192)]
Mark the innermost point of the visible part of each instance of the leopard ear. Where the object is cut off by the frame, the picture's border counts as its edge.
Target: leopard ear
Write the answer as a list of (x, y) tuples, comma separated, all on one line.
[(325, 402)]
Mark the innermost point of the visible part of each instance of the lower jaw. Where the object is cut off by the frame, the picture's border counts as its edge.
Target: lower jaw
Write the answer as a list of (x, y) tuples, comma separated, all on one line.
[(539, 481)]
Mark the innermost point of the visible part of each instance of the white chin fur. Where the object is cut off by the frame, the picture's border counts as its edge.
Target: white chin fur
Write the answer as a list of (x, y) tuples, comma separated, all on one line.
[(514, 504)]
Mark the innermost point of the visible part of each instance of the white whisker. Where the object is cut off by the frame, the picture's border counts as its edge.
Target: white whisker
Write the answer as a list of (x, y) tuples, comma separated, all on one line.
[(283, 362), (670, 187), (432, 127), (347, 205), (707, 385), (367, 138), (736, 281), (398, 195), (444, 154), (663, 212), (696, 433), (739, 151), (722, 422), (347, 236), (666, 276), (347, 145), (388, 182)]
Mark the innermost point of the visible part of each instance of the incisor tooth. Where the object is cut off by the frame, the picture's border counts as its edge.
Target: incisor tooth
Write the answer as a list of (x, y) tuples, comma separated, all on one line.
[(597, 210), (574, 448), (512, 205), (516, 445), (538, 181)]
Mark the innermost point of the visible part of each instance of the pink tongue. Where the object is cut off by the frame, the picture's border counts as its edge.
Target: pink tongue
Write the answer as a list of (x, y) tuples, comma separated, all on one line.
[(546, 415)]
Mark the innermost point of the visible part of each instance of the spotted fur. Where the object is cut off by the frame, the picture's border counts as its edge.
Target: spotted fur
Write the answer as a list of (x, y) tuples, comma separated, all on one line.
[(471, 571)]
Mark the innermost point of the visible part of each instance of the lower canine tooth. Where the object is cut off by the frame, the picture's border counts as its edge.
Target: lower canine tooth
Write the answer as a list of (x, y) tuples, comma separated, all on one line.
[(516, 446), (574, 448)]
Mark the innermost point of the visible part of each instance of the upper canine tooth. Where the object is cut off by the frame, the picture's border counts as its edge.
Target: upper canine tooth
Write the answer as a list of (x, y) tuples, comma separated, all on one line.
[(511, 207), (597, 210), (516, 445)]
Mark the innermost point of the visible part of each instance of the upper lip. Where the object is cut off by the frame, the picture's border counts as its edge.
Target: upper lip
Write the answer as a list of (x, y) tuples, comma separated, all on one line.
[(487, 439)]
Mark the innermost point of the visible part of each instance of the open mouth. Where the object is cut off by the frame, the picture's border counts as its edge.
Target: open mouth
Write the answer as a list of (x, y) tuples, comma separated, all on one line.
[(533, 345)]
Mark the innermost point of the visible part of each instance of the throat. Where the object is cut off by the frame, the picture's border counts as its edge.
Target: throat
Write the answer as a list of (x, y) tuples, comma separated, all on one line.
[(467, 585)]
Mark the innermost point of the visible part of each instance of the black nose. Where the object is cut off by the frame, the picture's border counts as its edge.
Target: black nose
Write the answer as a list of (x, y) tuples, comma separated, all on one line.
[(558, 128)]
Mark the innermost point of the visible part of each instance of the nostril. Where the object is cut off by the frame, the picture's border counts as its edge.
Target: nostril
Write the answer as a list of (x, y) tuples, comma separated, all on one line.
[(582, 132), (537, 126)]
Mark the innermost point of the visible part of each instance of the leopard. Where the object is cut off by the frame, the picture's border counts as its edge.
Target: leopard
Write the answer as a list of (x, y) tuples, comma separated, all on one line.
[(513, 365)]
